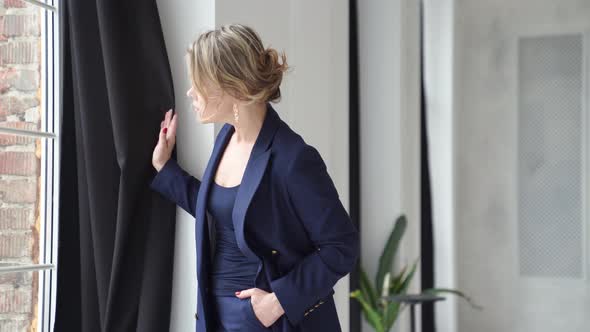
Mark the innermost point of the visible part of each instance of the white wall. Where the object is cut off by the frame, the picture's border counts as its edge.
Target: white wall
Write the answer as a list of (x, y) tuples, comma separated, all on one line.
[(389, 115), (438, 72), (487, 192), (182, 21), (314, 36)]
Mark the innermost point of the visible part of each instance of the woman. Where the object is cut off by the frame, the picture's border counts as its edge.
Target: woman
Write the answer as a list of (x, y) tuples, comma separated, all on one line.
[(272, 235)]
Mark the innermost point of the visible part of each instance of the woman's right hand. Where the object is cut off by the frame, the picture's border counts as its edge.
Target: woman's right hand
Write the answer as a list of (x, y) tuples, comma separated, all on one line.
[(166, 141)]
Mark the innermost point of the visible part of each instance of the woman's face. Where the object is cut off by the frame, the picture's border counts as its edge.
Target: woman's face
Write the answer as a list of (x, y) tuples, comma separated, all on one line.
[(217, 108)]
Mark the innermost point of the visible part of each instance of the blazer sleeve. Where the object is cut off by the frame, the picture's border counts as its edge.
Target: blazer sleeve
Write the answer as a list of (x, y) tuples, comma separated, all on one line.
[(315, 200), (177, 185)]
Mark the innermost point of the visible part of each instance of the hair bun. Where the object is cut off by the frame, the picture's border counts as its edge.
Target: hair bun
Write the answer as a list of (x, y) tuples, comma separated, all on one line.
[(270, 60), (272, 71)]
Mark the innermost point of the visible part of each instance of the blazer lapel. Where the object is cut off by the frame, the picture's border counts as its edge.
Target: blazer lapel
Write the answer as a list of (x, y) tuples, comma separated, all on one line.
[(253, 173), (209, 173), (250, 181), (255, 168)]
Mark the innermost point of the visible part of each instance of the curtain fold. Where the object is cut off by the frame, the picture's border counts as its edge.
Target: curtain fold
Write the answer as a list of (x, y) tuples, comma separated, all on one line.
[(116, 236)]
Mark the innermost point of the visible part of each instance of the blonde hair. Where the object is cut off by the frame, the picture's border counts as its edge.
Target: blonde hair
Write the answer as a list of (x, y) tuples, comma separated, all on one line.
[(234, 59)]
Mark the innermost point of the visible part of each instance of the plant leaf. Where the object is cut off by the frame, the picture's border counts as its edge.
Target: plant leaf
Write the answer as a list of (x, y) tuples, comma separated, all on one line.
[(390, 315), (397, 281), (386, 259), (372, 316), (455, 292), (368, 289), (406, 283)]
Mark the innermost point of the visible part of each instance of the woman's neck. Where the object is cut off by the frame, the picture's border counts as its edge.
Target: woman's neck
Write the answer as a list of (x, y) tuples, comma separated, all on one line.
[(251, 118)]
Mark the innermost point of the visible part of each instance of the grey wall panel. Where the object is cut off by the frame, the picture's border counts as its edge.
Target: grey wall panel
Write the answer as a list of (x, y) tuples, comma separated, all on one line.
[(550, 156)]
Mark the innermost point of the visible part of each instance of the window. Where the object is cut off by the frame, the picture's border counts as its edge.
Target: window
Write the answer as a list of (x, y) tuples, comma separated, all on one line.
[(29, 156)]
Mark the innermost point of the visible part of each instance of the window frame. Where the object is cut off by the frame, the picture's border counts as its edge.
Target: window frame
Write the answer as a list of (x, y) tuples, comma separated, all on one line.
[(49, 171)]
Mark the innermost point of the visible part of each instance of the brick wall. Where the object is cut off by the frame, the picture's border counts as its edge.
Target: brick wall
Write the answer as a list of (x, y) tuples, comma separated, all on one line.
[(20, 96)]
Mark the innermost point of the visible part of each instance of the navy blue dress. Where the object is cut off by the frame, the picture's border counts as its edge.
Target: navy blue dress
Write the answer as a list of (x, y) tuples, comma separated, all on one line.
[(231, 270)]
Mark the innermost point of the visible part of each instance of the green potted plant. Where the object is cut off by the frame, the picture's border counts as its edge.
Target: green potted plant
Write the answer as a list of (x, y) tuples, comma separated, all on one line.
[(380, 312)]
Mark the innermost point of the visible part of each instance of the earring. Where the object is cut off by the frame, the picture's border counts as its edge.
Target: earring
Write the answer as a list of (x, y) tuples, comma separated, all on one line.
[(236, 115)]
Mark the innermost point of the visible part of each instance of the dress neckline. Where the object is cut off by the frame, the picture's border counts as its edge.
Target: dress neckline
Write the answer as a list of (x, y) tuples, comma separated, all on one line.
[(220, 186)]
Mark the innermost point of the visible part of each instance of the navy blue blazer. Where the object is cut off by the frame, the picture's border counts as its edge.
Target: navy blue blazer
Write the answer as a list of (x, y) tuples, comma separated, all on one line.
[(287, 217)]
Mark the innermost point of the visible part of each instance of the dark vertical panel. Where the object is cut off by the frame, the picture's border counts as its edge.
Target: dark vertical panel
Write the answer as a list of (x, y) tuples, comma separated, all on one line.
[(354, 154), (426, 238)]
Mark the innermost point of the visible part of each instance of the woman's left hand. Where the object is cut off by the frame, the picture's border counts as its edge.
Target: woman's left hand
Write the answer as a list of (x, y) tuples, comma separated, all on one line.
[(266, 305)]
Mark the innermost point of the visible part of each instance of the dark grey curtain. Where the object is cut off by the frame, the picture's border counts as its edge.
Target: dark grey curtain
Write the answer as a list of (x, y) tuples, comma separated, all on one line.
[(116, 236)]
